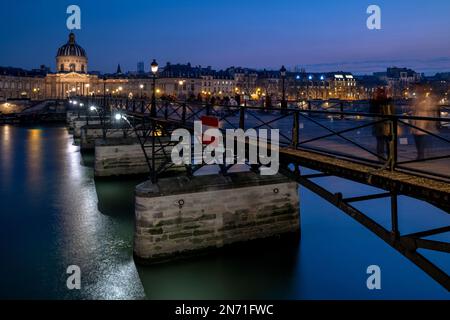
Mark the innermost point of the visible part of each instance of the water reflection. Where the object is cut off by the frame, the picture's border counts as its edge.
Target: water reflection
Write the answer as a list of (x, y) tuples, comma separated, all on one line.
[(70, 219), (34, 158), (264, 269), (6, 155)]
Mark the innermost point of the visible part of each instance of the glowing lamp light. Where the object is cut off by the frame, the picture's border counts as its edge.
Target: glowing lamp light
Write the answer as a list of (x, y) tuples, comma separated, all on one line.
[(93, 108), (118, 116), (154, 66)]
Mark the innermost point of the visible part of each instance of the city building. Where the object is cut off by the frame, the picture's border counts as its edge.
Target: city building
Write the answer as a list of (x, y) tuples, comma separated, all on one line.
[(399, 80), (184, 81), (140, 67)]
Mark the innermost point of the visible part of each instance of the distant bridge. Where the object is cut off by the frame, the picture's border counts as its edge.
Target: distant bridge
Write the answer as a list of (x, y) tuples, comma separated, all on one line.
[(47, 111)]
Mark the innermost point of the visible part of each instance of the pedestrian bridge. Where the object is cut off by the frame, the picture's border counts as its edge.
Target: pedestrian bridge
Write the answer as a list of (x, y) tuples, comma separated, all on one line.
[(332, 142)]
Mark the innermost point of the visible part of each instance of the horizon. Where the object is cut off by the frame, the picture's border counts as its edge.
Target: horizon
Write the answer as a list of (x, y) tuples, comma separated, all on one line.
[(318, 37)]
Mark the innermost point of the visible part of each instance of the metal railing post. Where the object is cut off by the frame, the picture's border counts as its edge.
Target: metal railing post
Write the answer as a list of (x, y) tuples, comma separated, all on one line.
[(242, 118), (394, 143), (208, 109), (154, 172), (183, 113), (295, 130), (166, 110)]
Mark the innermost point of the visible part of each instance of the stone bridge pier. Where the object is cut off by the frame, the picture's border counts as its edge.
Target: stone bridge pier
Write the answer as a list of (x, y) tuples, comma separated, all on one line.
[(179, 216)]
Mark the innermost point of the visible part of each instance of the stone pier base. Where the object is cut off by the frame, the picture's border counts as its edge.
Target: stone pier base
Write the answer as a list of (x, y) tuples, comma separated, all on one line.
[(124, 157), (119, 157), (91, 133), (70, 117), (179, 217), (79, 123)]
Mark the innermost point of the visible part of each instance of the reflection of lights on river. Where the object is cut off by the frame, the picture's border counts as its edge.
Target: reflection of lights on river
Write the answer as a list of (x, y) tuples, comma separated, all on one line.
[(6, 133), (34, 158), (6, 154)]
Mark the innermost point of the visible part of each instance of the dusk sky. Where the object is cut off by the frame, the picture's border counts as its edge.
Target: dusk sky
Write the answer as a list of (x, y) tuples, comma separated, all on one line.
[(322, 35)]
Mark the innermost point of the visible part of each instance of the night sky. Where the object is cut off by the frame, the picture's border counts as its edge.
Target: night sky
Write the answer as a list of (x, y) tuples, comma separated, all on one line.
[(319, 35)]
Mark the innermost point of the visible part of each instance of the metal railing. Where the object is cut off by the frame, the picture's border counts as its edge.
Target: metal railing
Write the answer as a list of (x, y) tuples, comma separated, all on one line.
[(419, 145)]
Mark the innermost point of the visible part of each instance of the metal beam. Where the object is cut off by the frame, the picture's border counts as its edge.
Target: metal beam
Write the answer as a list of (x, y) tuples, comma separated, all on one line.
[(367, 198), (429, 233), (406, 246)]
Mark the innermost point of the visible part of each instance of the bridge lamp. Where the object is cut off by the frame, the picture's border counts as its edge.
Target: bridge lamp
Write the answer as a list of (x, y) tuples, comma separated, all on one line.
[(75, 102), (93, 108), (81, 104), (154, 67), (119, 116), (283, 79)]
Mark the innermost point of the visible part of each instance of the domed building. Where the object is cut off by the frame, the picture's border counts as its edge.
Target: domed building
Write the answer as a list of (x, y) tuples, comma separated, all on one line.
[(71, 77), (71, 57)]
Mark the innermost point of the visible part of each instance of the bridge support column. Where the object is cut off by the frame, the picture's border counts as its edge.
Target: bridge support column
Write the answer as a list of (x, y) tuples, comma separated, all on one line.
[(119, 157), (91, 133), (179, 216), (70, 117), (79, 123)]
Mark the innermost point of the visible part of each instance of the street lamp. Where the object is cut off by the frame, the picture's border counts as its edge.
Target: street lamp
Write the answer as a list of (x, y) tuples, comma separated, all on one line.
[(141, 87), (118, 116), (309, 84), (283, 80), (154, 67)]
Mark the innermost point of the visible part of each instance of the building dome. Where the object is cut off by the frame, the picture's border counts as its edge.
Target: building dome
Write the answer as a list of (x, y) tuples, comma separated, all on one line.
[(71, 57), (71, 48)]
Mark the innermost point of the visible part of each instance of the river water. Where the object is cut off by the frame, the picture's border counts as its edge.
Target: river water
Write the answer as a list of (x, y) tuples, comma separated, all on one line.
[(53, 215)]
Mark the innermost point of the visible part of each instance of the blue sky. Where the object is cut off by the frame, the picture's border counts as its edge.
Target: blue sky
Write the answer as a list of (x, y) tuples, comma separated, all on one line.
[(320, 35)]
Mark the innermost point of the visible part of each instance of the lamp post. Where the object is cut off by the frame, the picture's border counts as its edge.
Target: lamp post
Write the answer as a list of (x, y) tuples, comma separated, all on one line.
[(154, 67), (310, 81), (283, 80), (141, 87)]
